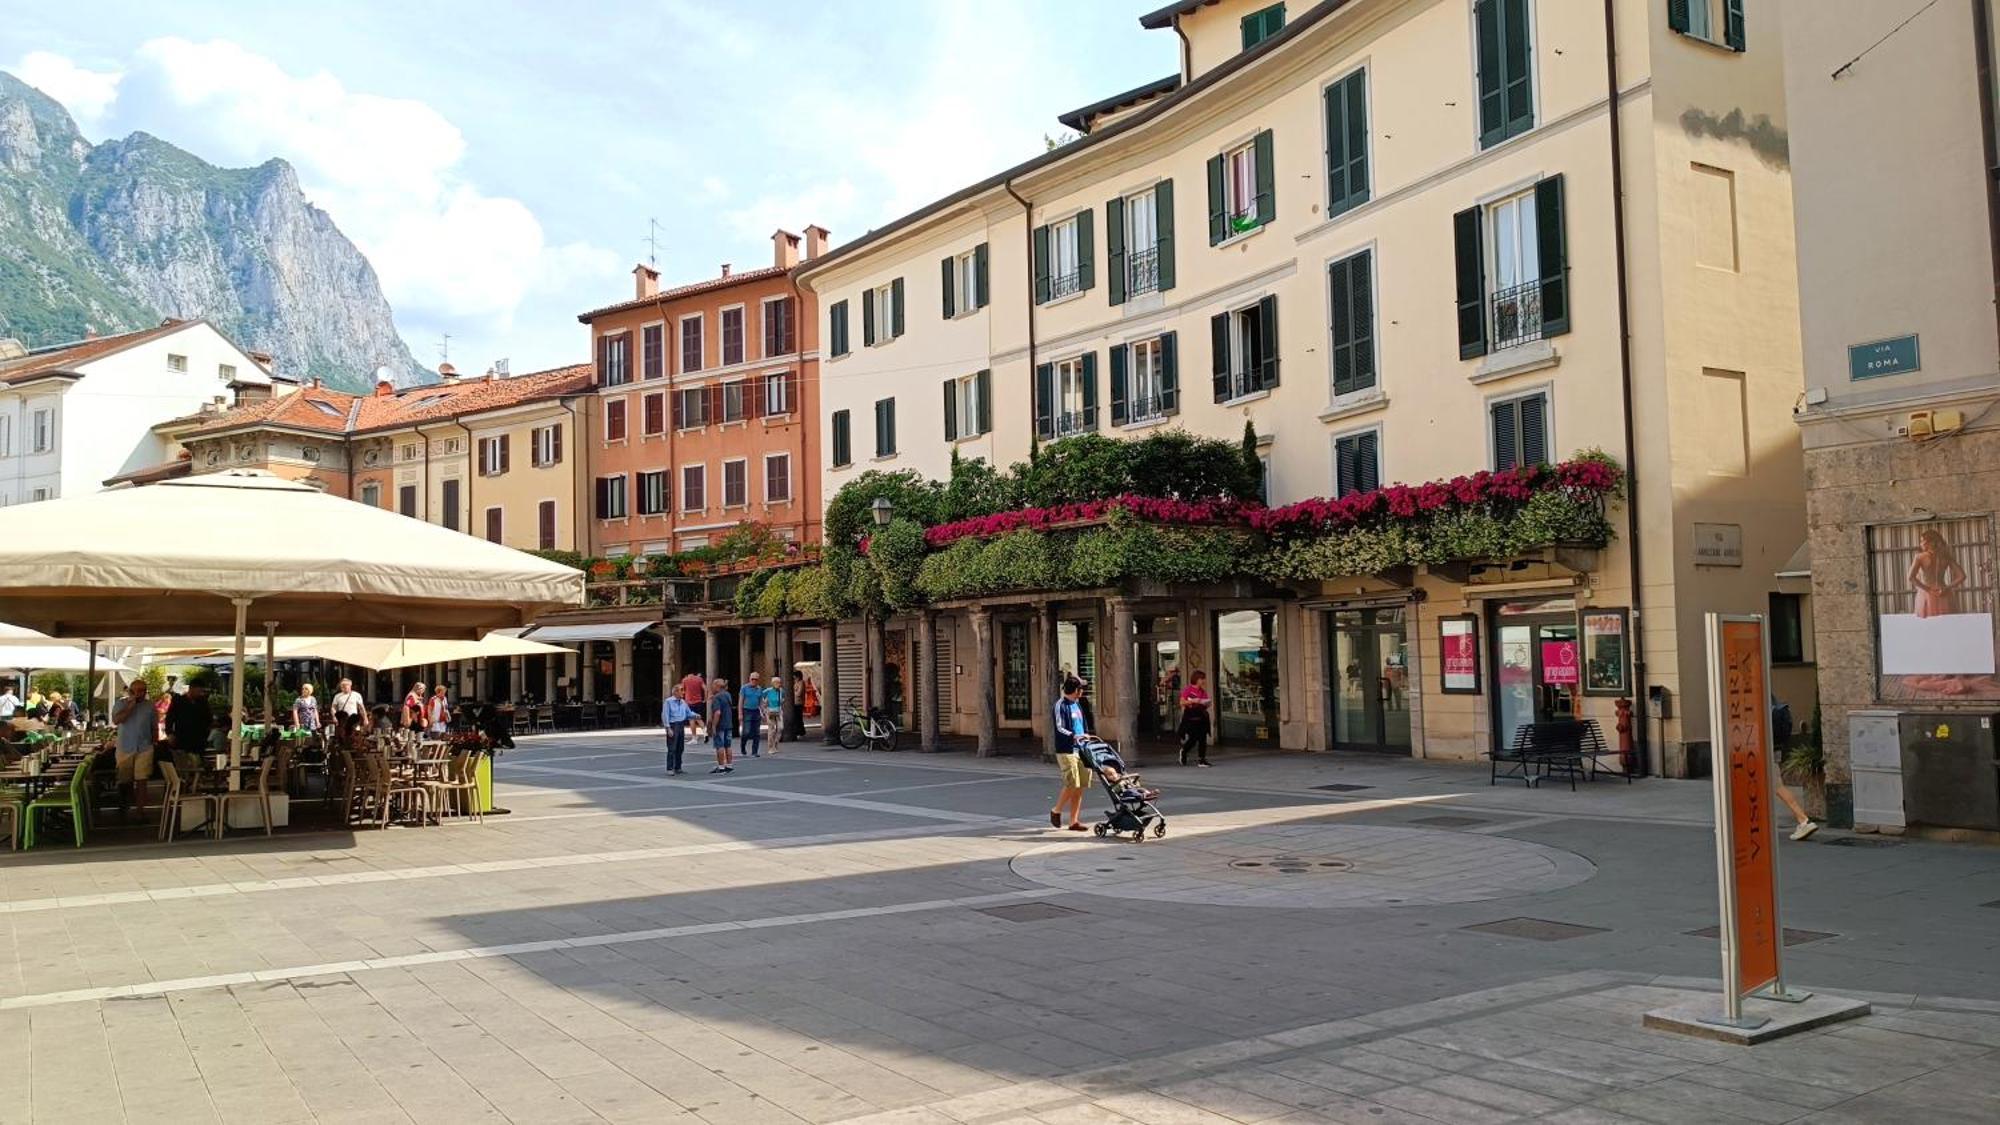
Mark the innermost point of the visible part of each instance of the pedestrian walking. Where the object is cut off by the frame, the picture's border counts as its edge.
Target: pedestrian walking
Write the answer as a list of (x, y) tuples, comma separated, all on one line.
[(305, 710), (1781, 737), (349, 712), (751, 730), (774, 709), (437, 713), (1075, 772), (1194, 726), (721, 721), (694, 691), (136, 730), (674, 716)]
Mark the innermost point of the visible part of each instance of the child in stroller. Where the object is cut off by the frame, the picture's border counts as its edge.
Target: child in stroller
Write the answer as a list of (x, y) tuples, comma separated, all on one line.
[(1132, 808)]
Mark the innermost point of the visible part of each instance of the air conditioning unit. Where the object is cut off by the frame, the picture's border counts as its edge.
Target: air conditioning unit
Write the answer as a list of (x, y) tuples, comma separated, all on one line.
[(1951, 771)]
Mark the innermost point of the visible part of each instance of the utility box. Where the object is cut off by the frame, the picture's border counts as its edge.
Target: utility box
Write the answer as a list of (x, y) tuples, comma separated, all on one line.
[(1875, 758), (1951, 774)]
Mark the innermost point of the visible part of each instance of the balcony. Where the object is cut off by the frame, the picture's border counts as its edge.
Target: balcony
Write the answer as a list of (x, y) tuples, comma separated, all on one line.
[(1063, 284), (1071, 422), (1142, 271), (1514, 315), (1145, 406)]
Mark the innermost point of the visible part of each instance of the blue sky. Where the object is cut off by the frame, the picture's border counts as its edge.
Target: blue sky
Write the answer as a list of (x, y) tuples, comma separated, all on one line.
[(499, 162)]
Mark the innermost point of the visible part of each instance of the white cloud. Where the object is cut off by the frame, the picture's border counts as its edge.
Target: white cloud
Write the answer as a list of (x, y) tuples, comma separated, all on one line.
[(387, 170), (87, 94)]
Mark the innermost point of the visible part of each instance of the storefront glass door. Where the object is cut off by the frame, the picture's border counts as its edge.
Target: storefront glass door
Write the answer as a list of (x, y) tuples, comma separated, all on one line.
[(1533, 683), (1246, 677), (1371, 696), (1158, 649)]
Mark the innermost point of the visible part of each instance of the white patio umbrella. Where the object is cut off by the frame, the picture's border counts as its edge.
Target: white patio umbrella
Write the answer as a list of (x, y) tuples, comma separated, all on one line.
[(55, 658), (195, 555), (383, 653)]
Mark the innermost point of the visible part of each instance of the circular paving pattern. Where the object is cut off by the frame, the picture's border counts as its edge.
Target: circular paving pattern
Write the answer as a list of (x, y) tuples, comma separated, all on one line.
[(1312, 865)]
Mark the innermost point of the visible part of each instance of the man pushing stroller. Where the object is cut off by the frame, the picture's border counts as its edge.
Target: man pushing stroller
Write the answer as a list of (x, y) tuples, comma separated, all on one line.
[(1081, 754)]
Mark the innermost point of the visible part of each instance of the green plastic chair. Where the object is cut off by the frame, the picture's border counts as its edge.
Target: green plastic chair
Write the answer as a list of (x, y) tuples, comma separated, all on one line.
[(76, 801)]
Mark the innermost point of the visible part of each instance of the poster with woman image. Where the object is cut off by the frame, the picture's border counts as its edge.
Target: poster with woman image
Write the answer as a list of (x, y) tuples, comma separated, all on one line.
[(1933, 590)]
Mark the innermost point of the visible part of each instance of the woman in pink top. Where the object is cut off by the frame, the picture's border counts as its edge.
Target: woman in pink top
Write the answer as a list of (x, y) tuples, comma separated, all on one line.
[(1194, 720)]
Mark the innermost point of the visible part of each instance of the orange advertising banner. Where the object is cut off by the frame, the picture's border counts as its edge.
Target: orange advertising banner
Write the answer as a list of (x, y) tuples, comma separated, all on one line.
[(1747, 743)]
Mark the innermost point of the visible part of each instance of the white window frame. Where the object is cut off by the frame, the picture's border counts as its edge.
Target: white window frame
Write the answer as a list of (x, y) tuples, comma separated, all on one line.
[(702, 396), (489, 457), (742, 335), (1239, 350), (1142, 240), (1239, 200), (740, 390), (777, 393), (624, 405), (1065, 262), (43, 429), (883, 298), (966, 398), (544, 446), (623, 364), (1067, 381), (624, 491), (176, 363), (1703, 20), (700, 340), (371, 494), (226, 371), (965, 277), (742, 465), (666, 493), (700, 471), (1540, 118), (1143, 381), (768, 459), (1486, 405)]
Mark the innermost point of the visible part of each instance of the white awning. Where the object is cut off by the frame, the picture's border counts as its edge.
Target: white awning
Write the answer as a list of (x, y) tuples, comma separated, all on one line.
[(1799, 565), (597, 631)]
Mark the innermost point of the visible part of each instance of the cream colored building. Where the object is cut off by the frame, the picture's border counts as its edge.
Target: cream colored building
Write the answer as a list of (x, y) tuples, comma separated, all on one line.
[(1898, 223), (1332, 226)]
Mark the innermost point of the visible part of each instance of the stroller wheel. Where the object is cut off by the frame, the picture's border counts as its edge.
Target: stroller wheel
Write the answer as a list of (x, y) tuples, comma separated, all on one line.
[(1139, 837), (1102, 829), (1160, 828)]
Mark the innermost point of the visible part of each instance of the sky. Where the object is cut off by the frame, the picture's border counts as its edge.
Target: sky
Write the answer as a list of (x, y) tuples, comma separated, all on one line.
[(499, 162)]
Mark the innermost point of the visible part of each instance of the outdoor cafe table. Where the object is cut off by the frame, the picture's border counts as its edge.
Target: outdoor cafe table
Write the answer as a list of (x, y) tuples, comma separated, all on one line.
[(33, 786)]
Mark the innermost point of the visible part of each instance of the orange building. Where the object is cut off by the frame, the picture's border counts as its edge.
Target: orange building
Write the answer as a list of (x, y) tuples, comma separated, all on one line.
[(707, 397)]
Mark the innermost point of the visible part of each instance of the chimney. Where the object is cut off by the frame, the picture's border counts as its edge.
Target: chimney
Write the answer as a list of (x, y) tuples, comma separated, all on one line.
[(490, 376), (816, 237), (384, 388), (784, 250), (725, 269), (447, 374), (645, 282), (316, 384)]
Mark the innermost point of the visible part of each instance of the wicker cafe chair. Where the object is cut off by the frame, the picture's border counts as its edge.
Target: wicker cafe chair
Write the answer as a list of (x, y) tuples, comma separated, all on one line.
[(170, 808), (457, 788)]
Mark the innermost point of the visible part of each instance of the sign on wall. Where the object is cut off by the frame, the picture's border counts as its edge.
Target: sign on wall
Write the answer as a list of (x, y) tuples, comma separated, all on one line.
[(1604, 652), (1458, 644), (1562, 663), (1896, 355), (1718, 544), (1933, 590)]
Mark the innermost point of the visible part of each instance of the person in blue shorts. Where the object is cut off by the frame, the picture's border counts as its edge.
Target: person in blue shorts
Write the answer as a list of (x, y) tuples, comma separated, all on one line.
[(721, 724)]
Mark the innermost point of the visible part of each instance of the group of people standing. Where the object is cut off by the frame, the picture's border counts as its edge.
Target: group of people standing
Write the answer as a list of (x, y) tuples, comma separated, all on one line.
[(711, 710)]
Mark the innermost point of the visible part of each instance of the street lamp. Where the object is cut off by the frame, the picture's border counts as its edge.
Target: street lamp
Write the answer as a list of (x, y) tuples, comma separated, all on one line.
[(884, 510)]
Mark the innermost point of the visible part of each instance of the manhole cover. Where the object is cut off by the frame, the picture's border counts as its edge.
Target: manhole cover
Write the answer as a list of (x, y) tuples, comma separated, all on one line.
[(1342, 787), (1792, 936), (1537, 929), (1028, 911), (1294, 865), (1451, 821)]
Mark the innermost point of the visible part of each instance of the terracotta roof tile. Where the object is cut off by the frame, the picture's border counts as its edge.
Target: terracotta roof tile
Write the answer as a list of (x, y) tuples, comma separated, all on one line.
[(333, 412), (70, 356), (712, 284)]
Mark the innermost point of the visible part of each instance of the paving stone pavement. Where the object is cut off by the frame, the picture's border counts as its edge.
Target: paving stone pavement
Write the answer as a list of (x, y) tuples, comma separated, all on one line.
[(828, 936)]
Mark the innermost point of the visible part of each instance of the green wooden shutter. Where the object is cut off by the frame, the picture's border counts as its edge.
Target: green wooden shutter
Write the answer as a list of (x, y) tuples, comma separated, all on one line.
[(843, 438), (983, 412), (1506, 434), (868, 319), (1267, 338), (1506, 93), (1347, 143), (1368, 461), (951, 410), (1218, 331), (1471, 272), (1045, 401), (1350, 285), (1553, 249), (947, 270), (836, 327), (1041, 241), (979, 297), (1114, 248), (1218, 208), (1267, 175), (1119, 412), (1677, 15), (1163, 222), (1516, 59), (1090, 390), (1533, 413), (1732, 24), (1170, 375), (896, 309), (1345, 472), (1086, 251)]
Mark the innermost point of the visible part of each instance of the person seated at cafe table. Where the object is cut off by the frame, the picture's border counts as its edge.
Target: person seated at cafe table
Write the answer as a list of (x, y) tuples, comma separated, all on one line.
[(189, 721)]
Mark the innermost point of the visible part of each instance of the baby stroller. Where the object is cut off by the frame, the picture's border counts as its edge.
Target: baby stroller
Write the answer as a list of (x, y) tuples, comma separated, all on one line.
[(1132, 808)]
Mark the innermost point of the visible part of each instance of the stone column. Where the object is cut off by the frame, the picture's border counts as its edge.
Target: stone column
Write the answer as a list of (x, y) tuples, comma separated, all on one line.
[(586, 666), (517, 667), (711, 652), (621, 669), (1124, 679), (743, 668), (927, 685), (989, 710), (670, 658), (1047, 681), (781, 667), (829, 697)]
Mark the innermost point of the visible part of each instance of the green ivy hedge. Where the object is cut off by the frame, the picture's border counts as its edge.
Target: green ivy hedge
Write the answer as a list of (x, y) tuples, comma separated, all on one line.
[(1545, 520), (1070, 560)]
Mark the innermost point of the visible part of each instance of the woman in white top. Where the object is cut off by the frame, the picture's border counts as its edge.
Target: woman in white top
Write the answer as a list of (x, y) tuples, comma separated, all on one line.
[(437, 712)]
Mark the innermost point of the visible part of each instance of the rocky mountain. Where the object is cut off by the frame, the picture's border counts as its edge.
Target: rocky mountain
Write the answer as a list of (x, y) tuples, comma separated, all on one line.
[(117, 235)]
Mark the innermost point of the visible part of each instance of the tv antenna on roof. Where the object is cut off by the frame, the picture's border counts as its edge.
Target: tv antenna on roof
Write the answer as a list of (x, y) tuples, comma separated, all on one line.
[(444, 347), (500, 367), (653, 242)]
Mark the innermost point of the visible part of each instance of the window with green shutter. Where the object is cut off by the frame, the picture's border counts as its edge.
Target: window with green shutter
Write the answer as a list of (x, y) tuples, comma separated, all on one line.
[(1520, 430), (836, 329), (1347, 143), (1357, 462), (1242, 189), (1506, 75), (1261, 25), (885, 427), (1351, 315), (1700, 19), (843, 439)]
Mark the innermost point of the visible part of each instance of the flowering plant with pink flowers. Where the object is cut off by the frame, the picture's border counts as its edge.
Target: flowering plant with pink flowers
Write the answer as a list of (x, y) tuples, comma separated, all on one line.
[(1150, 509)]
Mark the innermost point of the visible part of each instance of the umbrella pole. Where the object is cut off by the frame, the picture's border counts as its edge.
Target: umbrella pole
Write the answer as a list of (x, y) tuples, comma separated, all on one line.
[(270, 665), (90, 687), (236, 694)]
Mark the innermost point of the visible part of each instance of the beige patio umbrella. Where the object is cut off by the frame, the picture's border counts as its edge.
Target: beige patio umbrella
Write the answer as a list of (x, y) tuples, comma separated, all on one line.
[(195, 555), (383, 653)]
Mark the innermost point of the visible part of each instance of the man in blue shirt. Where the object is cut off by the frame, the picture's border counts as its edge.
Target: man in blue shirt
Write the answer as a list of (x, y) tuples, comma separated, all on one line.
[(1069, 724), (674, 716), (721, 723), (752, 736)]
